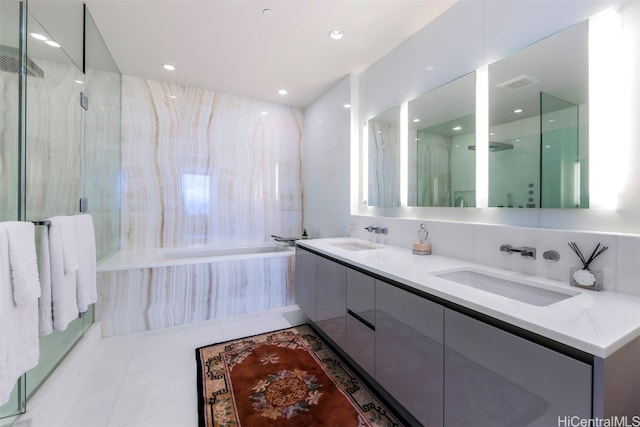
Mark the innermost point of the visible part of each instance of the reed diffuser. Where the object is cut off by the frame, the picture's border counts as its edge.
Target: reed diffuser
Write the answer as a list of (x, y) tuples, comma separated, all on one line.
[(585, 277)]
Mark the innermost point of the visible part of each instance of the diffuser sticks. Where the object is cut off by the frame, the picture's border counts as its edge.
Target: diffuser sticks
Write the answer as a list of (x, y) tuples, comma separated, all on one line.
[(583, 276)]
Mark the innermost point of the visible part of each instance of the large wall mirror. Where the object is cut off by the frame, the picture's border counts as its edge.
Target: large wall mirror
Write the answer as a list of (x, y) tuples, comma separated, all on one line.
[(538, 124), (538, 134), (384, 159), (441, 146)]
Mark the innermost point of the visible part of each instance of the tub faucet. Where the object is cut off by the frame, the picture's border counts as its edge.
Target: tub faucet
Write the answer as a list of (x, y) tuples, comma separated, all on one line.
[(289, 241), (524, 251)]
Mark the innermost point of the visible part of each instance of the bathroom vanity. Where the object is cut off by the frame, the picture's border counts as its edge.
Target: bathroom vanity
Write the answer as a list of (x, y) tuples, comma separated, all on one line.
[(460, 344)]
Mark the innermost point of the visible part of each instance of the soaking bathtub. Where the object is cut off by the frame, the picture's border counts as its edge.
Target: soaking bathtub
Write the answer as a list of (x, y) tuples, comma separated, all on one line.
[(145, 289)]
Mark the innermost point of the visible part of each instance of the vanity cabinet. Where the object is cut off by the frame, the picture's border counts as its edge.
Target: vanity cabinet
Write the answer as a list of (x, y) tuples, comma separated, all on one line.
[(493, 377), (445, 364), (306, 283), (331, 299), (409, 351), (360, 335)]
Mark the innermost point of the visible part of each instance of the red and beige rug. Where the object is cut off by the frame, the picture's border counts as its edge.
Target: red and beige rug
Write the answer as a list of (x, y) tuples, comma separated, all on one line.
[(285, 378)]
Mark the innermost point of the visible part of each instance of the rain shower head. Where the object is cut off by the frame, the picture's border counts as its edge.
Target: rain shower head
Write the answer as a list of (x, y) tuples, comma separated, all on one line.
[(10, 62), (495, 146)]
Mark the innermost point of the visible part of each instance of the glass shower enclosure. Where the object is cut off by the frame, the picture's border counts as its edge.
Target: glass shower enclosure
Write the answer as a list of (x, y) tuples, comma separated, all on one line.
[(54, 152)]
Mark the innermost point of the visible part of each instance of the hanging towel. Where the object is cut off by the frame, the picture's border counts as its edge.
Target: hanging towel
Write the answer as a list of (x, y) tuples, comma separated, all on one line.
[(19, 345), (64, 305), (22, 260), (44, 266), (85, 237), (67, 227)]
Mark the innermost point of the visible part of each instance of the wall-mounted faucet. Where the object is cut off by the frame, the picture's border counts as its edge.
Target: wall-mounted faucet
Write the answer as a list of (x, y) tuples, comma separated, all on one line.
[(524, 251), (377, 230)]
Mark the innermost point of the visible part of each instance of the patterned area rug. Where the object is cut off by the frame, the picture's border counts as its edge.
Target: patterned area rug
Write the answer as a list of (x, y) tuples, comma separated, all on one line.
[(285, 378)]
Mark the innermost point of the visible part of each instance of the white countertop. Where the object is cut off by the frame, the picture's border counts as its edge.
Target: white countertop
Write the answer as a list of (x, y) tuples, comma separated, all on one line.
[(598, 323)]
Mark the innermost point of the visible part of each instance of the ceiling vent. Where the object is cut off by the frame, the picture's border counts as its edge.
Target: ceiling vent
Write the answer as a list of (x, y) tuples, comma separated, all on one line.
[(519, 82)]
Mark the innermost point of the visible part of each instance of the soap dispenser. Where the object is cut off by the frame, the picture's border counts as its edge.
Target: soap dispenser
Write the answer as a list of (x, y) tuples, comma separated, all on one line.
[(422, 247)]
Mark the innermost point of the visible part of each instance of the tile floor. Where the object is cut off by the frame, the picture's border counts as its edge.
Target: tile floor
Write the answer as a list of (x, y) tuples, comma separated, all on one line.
[(149, 378)]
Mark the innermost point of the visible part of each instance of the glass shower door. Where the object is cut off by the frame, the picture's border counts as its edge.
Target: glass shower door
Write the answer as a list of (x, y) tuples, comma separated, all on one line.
[(54, 164)]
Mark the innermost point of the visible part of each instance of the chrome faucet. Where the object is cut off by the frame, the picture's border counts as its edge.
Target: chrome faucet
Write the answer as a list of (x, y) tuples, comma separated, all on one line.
[(524, 251), (377, 230)]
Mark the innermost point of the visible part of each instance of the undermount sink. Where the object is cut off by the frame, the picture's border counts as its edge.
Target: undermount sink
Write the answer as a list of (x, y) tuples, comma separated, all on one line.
[(519, 291), (354, 246)]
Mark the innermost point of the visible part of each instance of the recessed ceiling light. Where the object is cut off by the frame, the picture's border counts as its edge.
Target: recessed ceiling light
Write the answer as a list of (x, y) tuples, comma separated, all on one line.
[(336, 34), (264, 113), (547, 146), (347, 105), (429, 68), (457, 145), (491, 133), (457, 128), (173, 96), (518, 110), (39, 36), (416, 120), (416, 139), (552, 120), (267, 12), (80, 82), (52, 43), (169, 67), (283, 92)]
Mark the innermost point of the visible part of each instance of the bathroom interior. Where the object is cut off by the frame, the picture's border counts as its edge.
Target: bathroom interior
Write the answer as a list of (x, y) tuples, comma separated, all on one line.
[(518, 129)]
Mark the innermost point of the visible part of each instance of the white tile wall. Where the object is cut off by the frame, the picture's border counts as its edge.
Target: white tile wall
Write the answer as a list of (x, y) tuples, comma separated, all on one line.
[(484, 32)]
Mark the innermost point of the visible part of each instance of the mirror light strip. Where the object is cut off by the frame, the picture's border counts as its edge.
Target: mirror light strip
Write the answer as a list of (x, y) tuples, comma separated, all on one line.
[(609, 104), (482, 137), (404, 154), (355, 145), (365, 163)]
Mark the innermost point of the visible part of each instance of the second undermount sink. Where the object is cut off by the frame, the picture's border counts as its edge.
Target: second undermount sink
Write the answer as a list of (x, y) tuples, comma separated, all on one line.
[(355, 246), (516, 290)]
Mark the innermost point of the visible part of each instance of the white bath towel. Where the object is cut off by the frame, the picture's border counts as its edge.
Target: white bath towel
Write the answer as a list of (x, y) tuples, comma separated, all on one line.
[(64, 304), (85, 237), (19, 346), (44, 266), (22, 260), (67, 227)]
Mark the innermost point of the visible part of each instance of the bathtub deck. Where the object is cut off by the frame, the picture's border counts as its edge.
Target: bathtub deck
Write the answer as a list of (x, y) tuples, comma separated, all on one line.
[(128, 259), (146, 293)]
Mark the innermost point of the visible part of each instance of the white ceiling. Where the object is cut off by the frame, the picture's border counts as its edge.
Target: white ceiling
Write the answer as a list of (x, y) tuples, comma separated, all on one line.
[(230, 46)]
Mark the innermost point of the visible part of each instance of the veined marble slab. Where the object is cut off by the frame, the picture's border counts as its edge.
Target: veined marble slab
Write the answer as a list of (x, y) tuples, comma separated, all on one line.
[(201, 168), (150, 298)]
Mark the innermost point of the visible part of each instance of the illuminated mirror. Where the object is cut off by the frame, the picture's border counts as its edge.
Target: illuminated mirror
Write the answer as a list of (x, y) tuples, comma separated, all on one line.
[(538, 124)]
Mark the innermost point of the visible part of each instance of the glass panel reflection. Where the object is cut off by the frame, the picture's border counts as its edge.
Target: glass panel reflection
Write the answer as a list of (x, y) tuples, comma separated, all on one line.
[(442, 169)]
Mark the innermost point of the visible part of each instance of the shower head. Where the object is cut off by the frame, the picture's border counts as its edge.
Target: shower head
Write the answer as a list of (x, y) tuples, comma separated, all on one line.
[(10, 62), (495, 146)]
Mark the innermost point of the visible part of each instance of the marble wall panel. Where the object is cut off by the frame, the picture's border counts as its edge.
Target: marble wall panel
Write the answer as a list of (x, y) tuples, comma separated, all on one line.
[(102, 158), (136, 300), (202, 168), (54, 140), (72, 153)]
